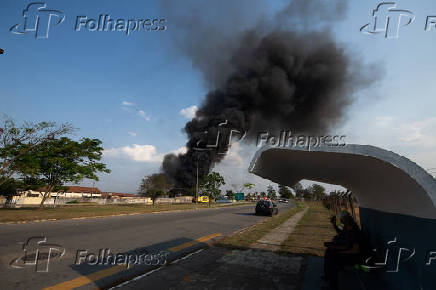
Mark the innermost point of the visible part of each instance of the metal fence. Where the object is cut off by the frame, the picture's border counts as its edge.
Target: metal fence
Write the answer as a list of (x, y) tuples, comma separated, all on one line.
[(337, 202)]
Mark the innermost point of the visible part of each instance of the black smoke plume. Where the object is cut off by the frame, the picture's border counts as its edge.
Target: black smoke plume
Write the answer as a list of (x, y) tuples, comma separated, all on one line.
[(270, 78)]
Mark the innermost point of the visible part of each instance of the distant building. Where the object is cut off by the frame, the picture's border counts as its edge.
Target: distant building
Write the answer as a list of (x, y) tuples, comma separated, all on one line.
[(70, 192), (32, 197), (118, 195)]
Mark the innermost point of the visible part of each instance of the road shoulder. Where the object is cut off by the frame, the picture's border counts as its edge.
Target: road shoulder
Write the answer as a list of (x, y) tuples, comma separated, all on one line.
[(228, 264), (27, 215)]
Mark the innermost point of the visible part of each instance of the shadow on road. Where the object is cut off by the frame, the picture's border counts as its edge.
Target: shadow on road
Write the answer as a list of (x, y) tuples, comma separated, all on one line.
[(244, 213), (108, 268)]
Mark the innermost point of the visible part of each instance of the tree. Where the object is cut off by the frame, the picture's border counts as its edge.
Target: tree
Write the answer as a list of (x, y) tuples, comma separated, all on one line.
[(318, 191), (153, 186), (298, 194), (284, 191), (10, 187), (271, 192), (16, 141), (248, 186), (299, 191), (230, 195), (211, 184), (240, 188), (60, 161), (297, 186), (306, 194), (250, 196)]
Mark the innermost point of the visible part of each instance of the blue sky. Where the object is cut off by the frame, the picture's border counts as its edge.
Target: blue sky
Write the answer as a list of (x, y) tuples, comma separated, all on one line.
[(128, 90)]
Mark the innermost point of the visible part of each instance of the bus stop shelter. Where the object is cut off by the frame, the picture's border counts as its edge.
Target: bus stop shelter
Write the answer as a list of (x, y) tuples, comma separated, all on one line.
[(396, 197)]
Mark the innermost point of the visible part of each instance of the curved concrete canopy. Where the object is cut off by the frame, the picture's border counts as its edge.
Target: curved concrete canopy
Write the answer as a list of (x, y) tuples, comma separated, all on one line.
[(380, 179)]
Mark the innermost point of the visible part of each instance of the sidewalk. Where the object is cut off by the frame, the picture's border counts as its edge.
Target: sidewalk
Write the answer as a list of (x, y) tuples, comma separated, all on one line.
[(273, 240), (219, 268), (307, 240)]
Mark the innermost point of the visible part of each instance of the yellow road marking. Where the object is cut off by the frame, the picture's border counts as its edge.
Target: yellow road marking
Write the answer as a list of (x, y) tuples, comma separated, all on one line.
[(83, 280), (191, 243)]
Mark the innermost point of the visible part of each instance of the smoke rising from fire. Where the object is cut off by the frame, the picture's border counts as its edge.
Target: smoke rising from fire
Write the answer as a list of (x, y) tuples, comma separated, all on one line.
[(280, 74)]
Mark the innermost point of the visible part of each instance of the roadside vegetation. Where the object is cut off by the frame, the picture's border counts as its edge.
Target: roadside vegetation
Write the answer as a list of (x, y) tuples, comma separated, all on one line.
[(156, 185), (91, 210), (246, 237), (311, 232), (39, 155)]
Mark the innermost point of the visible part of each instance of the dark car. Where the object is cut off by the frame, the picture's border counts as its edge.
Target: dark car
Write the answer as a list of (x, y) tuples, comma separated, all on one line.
[(266, 207)]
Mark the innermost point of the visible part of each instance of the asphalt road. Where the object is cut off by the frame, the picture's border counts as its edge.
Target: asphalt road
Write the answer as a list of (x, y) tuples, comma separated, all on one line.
[(156, 237)]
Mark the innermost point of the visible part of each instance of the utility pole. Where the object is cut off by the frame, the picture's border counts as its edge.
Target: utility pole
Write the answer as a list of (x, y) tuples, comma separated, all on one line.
[(196, 190)]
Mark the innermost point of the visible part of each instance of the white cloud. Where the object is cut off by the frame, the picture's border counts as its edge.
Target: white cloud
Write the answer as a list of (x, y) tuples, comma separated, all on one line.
[(392, 133), (133, 134), (143, 115), (426, 159), (189, 112), (415, 140), (181, 150), (133, 109), (234, 155), (420, 133), (384, 121), (234, 168), (140, 153)]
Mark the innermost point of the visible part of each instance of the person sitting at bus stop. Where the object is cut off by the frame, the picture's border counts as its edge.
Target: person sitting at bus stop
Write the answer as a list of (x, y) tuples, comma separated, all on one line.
[(345, 249)]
